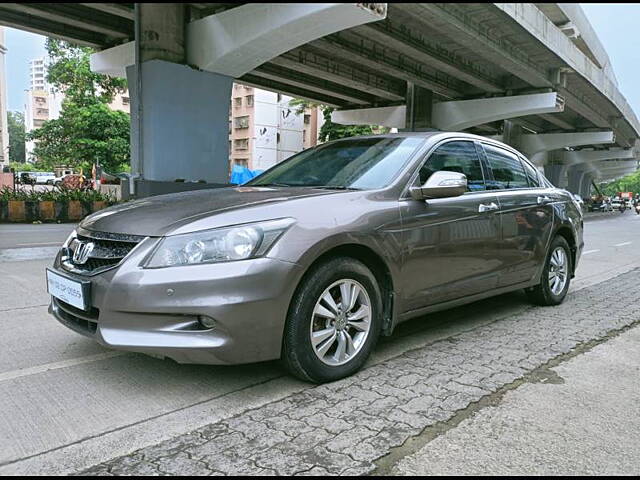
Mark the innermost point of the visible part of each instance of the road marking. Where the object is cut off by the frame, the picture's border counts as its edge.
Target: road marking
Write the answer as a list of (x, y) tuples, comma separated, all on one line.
[(24, 372), (622, 244), (590, 251)]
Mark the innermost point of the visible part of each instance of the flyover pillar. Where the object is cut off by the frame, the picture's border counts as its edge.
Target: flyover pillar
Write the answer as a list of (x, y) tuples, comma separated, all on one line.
[(181, 71), (179, 115), (418, 110)]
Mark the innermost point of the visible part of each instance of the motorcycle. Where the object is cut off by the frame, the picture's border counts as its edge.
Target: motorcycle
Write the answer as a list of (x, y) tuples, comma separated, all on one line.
[(637, 208)]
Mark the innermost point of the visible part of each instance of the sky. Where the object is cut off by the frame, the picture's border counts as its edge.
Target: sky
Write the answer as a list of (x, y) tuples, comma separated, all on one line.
[(616, 25)]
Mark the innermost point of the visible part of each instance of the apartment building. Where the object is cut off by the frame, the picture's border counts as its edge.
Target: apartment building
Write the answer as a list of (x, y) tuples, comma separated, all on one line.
[(264, 128)]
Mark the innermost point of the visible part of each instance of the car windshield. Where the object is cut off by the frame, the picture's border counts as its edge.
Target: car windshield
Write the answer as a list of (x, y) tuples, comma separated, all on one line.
[(356, 163)]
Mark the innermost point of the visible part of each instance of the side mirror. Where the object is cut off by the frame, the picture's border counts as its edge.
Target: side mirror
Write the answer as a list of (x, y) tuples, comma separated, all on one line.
[(441, 184)]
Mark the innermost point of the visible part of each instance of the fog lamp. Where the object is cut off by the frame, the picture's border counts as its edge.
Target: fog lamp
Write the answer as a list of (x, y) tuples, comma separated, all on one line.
[(206, 322)]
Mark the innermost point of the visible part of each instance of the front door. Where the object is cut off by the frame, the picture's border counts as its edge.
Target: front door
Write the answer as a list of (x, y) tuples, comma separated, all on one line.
[(449, 243)]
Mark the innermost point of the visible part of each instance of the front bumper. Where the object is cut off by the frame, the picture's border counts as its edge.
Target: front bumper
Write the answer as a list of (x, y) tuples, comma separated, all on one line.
[(155, 311)]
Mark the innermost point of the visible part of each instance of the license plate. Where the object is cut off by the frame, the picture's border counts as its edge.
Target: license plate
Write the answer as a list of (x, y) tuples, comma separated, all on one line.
[(68, 290)]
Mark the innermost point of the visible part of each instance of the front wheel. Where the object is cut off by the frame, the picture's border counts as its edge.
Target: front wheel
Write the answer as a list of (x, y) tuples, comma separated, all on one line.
[(556, 275), (334, 321)]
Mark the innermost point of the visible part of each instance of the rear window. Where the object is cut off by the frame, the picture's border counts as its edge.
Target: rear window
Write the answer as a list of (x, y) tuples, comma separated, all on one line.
[(507, 169)]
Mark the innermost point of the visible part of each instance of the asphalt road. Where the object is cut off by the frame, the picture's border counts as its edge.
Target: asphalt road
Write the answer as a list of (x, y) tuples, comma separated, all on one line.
[(67, 404)]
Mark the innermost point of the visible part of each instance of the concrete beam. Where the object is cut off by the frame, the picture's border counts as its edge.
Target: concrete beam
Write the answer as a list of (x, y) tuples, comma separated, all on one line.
[(534, 145), (582, 156), (459, 115), (113, 61), (236, 41), (393, 117)]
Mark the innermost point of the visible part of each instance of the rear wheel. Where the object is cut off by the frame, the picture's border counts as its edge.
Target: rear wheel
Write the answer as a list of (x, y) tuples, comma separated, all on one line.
[(556, 276), (334, 321)]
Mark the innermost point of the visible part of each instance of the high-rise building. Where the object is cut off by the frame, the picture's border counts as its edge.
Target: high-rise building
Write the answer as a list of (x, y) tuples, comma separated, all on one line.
[(264, 128), (4, 127), (38, 74)]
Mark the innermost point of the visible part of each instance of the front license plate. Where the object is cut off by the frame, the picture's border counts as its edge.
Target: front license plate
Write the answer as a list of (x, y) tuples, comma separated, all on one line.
[(70, 291)]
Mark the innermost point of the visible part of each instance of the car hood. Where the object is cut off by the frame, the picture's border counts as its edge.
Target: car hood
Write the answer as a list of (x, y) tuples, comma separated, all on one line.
[(163, 214)]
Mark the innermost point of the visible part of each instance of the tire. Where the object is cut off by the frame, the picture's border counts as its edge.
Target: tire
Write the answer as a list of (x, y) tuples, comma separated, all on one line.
[(298, 353), (543, 294)]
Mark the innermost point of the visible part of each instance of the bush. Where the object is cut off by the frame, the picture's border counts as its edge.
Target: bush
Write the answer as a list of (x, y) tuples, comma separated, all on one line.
[(58, 194)]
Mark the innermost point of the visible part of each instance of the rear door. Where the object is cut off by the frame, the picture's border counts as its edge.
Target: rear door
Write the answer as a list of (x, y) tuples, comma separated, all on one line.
[(526, 214), (449, 244)]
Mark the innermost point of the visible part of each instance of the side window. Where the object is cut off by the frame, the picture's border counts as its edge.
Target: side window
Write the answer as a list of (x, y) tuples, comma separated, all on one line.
[(456, 156), (507, 169), (532, 174)]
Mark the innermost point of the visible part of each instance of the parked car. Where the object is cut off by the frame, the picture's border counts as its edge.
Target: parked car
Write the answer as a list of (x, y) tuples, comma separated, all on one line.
[(25, 178), (57, 181), (318, 256), (42, 178)]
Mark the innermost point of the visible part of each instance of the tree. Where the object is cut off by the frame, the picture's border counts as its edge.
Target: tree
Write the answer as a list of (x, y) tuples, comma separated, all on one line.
[(69, 71), (82, 136), (628, 183), (87, 131), (334, 131), (16, 130)]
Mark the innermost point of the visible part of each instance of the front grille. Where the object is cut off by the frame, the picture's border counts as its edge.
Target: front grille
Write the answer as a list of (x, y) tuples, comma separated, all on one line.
[(106, 250), (84, 322)]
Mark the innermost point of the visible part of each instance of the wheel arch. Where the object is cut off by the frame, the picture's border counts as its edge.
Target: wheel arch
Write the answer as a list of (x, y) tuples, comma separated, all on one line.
[(567, 233), (374, 262)]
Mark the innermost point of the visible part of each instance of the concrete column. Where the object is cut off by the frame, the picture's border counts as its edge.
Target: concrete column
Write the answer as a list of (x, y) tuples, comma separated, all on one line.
[(511, 134), (184, 127), (418, 110), (162, 32), (576, 175), (585, 186), (557, 174)]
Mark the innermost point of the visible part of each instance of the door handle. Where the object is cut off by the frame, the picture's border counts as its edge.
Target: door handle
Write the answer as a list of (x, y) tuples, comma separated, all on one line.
[(487, 207), (544, 200)]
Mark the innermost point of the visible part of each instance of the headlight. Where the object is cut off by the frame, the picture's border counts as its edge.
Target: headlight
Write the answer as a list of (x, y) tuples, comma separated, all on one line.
[(218, 245)]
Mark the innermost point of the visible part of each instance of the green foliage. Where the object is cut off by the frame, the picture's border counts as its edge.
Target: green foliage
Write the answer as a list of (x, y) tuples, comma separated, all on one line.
[(87, 131), (333, 131), (84, 135), (59, 194), (23, 167), (69, 71), (16, 129), (629, 183)]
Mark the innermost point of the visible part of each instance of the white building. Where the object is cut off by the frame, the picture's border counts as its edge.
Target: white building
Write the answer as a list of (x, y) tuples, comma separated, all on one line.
[(264, 129)]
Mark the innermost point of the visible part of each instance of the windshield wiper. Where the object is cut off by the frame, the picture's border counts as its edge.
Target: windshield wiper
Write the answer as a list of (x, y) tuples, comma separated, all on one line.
[(334, 187), (271, 185)]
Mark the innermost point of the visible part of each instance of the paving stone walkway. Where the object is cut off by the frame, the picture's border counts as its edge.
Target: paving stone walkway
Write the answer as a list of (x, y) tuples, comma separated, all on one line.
[(344, 427)]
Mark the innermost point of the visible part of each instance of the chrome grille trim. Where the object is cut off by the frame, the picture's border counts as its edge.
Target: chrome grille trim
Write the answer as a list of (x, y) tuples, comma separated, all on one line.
[(108, 252)]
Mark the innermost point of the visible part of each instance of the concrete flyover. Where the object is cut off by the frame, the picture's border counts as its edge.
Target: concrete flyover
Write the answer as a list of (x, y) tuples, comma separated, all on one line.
[(534, 75)]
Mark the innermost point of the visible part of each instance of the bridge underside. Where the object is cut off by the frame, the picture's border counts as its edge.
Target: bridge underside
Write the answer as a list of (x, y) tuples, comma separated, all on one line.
[(455, 52)]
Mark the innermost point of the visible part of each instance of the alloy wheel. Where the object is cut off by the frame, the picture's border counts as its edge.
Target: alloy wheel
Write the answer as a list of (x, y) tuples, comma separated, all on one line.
[(340, 322), (558, 270)]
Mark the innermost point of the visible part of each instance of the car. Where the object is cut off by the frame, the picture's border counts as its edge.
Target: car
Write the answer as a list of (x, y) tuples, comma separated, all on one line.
[(314, 259), (44, 177), (57, 181), (26, 178)]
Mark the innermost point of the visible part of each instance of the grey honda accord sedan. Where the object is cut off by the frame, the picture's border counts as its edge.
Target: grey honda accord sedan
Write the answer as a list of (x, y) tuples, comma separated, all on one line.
[(314, 259)]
